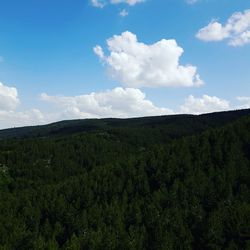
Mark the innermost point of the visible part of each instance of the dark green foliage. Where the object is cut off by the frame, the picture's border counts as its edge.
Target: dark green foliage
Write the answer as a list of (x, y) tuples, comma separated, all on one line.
[(128, 187)]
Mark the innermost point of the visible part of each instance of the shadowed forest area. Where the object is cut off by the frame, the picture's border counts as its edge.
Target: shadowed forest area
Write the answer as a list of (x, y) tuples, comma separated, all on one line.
[(156, 183)]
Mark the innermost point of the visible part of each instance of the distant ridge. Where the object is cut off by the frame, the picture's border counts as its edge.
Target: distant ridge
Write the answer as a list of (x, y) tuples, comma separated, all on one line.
[(187, 123)]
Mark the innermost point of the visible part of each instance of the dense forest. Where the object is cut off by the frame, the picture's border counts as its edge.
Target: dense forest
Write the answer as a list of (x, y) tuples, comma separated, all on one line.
[(156, 183)]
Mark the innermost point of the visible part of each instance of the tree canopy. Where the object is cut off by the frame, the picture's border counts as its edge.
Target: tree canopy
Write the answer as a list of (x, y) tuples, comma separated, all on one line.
[(128, 187)]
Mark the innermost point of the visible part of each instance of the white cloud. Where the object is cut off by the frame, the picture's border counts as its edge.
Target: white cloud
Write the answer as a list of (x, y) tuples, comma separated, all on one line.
[(8, 98), (99, 51), (241, 39), (102, 3), (123, 13), (205, 104), (136, 64), (236, 30), (213, 32), (245, 102), (98, 3), (118, 102), (10, 119), (9, 116)]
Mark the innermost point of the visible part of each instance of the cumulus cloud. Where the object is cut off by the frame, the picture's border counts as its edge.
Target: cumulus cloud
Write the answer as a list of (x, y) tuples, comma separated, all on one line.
[(213, 32), (118, 102), (245, 102), (10, 119), (102, 3), (236, 30), (205, 104), (8, 98), (136, 64)]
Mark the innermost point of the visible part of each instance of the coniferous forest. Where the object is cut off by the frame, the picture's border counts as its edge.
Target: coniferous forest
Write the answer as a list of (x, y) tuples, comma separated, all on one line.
[(156, 183)]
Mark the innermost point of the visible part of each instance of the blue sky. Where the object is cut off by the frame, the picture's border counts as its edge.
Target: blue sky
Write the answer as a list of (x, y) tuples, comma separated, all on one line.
[(48, 67)]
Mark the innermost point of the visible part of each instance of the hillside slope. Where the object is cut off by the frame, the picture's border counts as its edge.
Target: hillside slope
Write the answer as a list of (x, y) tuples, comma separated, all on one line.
[(176, 124), (178, 182)]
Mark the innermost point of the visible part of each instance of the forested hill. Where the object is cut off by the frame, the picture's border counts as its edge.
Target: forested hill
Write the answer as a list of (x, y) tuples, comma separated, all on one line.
[(175, 124), (156, 183)]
